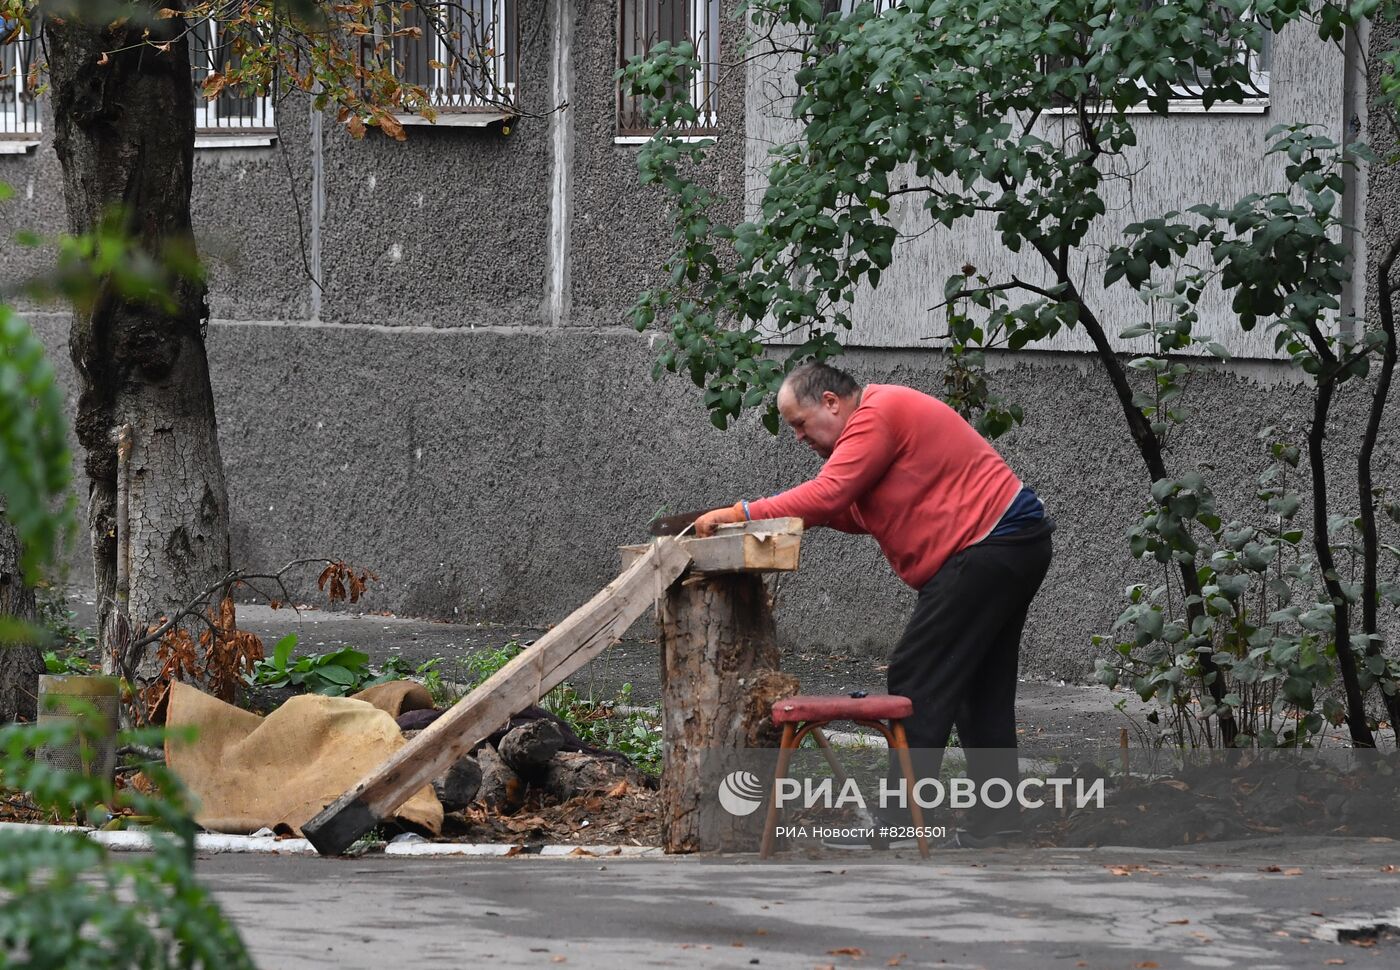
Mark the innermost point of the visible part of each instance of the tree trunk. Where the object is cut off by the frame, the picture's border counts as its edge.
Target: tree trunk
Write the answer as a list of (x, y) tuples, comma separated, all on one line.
[(1357, 725), (20, 663), (719, 679), (124, 135), (1370, 541)]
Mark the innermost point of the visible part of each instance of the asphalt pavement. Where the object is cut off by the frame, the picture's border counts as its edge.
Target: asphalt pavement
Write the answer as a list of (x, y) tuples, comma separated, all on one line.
[(1256, 906), (1260, 904)]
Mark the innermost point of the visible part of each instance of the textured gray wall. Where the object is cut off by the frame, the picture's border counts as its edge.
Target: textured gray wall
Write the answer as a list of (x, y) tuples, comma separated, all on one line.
[(484, 442), (489, 474)]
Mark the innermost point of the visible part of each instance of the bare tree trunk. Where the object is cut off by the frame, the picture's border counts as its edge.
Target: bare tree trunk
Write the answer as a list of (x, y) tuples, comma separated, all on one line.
[(1370, 586), (719, 679), (124, 134), (1360, 730), (20, 663)]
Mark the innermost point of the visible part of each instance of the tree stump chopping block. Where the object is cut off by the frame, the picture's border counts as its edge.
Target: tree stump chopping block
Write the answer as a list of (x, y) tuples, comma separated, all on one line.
[(719, 679)]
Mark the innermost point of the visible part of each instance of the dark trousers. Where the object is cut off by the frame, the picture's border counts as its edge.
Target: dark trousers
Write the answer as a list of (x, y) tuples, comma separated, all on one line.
[(958, 657)]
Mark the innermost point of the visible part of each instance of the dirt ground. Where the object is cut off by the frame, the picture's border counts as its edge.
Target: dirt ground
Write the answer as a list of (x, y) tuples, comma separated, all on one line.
[(626, 815), (1048, 713), (1049, 716)]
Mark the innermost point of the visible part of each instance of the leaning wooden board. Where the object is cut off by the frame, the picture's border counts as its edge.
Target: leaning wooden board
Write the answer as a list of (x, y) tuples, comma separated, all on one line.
[(578, 639)]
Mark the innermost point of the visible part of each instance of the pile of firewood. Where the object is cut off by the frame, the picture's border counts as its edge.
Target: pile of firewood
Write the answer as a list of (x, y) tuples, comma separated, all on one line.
[(536, 752)]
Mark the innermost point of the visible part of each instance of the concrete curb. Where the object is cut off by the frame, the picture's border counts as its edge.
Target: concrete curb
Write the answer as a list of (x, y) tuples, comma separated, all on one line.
[(214, 843)]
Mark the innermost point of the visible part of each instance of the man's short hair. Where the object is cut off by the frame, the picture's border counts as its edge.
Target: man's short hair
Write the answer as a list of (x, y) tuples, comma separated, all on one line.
[(810, 380)]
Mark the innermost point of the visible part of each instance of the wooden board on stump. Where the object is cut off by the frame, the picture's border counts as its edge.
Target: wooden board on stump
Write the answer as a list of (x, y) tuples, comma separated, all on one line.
[(761, 546), (719, 679)]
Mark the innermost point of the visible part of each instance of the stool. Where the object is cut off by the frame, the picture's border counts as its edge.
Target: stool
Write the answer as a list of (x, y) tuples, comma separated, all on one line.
[(802, 715)]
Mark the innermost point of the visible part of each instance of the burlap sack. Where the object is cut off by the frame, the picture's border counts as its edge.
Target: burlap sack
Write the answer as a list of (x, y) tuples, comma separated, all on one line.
[(248, 772), (396, 697)]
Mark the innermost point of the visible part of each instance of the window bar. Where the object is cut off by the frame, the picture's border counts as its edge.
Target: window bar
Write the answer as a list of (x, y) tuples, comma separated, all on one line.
[(19, 113), (498, 79), (442, 92), (697, 33)]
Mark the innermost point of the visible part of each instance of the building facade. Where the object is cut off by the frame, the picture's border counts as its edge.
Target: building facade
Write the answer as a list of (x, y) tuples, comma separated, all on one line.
[(423, 361)]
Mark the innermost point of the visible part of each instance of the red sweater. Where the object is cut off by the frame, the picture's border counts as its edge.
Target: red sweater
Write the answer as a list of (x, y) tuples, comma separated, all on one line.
[(911, 472)]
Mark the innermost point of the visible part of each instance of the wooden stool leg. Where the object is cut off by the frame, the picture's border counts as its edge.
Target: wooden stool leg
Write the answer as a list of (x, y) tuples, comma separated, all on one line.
[(770, 826), (906, 765)]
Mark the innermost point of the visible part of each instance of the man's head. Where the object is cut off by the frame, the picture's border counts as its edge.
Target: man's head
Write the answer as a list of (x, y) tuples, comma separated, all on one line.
[(816, 401)]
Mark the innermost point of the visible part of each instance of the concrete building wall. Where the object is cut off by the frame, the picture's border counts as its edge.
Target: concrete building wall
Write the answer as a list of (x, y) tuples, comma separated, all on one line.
[(465, 410)]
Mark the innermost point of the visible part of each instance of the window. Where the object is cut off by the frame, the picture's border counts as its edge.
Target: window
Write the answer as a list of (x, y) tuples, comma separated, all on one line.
[(19, 112), (465, 55), (643, 23), (234, 110), (847, 7), (1187, 95), (1258, 63)]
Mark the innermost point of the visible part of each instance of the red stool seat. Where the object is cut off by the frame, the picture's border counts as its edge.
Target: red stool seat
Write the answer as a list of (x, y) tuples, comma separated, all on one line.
[(840, 707)]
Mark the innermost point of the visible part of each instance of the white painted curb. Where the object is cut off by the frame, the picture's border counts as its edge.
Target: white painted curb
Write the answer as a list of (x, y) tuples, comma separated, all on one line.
[(209, 842), (496, 849), (214, 843)]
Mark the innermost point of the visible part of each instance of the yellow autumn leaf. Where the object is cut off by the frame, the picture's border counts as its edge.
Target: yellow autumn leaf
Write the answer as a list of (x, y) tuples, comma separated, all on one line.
[(213, 84), (392, 128)]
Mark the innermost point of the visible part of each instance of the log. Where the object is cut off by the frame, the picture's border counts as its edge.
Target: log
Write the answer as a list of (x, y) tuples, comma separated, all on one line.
[(501, 789), (719, 679), (553, 657), (529, 747), (573, 773), (458, 788)]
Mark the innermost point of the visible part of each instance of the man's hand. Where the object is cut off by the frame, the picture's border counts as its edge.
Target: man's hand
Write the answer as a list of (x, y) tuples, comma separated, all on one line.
[(705, 525)]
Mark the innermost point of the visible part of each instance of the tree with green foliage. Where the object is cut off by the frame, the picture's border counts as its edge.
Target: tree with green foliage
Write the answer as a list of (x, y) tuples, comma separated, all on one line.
[(953, 104), (34, 473), (65, 901)]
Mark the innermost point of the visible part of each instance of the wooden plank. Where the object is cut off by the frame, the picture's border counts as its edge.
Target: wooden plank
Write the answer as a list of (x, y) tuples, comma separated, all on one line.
[(568, 646), (765, 545)]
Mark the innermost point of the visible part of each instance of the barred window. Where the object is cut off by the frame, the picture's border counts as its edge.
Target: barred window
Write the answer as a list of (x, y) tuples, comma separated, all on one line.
[(644, 23), (1187, 94), (464, 55), (19, 111), (216, 49)]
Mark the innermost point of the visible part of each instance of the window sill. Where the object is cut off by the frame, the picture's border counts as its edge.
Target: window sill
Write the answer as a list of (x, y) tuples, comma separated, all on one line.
[(18, 146), (456, 119), (643, 139), (233, 140), (1249, 106)]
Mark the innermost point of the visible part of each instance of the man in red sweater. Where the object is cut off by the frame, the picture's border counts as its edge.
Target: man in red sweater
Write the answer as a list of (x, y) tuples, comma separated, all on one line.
[(957, 525)]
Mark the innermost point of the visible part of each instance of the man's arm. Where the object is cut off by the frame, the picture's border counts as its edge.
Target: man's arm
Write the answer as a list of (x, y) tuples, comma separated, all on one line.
[(861, 458)]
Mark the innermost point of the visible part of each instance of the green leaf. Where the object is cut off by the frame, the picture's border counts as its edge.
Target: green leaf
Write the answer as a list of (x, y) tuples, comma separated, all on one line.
[(283, 651), (347, 657), (336, 674), (1299, 691)]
